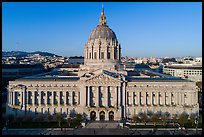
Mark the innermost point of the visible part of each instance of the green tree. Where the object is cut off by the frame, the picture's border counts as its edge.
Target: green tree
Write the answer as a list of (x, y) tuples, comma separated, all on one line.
[(183, 119), (192, 119), (75, 122), (58, 118), (69, 121), (163, 118), (155, 119), (79, 117), (199, 84)]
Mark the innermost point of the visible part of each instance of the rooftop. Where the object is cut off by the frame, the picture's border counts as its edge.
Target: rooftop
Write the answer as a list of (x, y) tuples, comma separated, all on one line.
[(71, 76)]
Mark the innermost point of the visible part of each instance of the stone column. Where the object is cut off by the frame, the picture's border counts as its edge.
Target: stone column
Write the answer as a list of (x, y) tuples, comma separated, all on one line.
[(106, 97), (88, 96), (58, 98), (172, 98), (97, 96), (124, 101), (33, 97), (175, 98), (19, 98), (52, 98), (166, 99), (147, 98), (119, 96), (106, 116), (144, 98), (118, 52), (110, 97), (156, 98), (93, 99), (162, 98), (13, 98), (137, 98), (40, 98), (131, 98), (71, 97), (64, 97), (150, 98), (115, 96), (159, 96), (169, 98), (45, 100), (112, 53)]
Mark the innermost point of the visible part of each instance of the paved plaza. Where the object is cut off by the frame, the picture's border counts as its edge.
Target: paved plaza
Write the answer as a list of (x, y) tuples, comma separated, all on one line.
[(100, 131)]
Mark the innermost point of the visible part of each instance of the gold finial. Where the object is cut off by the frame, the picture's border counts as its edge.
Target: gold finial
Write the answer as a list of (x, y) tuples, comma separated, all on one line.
[(102, 20)]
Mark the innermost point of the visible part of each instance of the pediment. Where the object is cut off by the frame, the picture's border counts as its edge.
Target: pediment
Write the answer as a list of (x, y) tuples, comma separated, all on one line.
[(102, 78)]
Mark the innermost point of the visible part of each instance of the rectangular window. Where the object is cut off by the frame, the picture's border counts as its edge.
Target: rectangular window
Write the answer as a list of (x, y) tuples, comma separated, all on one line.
[(115, 54), (90, 55), (108, 55), (67, 97), (95, 56), (102, 55)]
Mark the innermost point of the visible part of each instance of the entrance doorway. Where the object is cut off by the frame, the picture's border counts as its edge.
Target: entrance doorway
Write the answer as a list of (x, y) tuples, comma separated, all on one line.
[(102, 115), (111, 115), (93, 115)]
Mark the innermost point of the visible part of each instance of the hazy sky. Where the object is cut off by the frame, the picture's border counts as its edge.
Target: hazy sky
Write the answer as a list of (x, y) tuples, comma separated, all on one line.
[(144, 29)]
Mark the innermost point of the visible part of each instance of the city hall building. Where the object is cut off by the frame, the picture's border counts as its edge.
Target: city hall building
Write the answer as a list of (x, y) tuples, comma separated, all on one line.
[(101, 89)]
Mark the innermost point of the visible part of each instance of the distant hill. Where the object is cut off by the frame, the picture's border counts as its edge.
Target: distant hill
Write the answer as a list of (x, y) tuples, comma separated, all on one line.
[(24, 54)]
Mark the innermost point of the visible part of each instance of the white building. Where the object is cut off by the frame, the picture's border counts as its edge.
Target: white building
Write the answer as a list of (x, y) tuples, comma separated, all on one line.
[(102, 90), (191, 72)]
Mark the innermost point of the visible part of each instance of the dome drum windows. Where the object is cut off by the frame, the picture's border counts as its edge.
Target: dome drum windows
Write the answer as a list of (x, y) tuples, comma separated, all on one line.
[(95, 55), (102, 55)]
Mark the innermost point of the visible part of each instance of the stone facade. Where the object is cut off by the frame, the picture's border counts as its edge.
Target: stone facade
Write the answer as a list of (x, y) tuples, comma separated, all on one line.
[(101, 91)]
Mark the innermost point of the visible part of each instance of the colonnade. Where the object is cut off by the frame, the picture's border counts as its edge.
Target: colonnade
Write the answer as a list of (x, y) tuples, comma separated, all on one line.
[(103, 96), (19, 98)]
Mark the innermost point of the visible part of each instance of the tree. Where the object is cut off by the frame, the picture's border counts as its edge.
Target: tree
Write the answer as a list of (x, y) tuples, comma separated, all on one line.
[(40, 118), (155, 119), (75, 122), (183, 119), (144, 117), (69, 121), (164, 118), (10, 118), (79, 117), (199, 84), (29, 118), (59, 118), (19, 119), (174, 118), (49, 117), (192, 118), (134, 118)]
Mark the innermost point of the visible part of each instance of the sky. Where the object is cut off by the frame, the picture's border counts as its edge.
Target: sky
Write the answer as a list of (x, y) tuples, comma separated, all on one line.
[(144, 29)]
